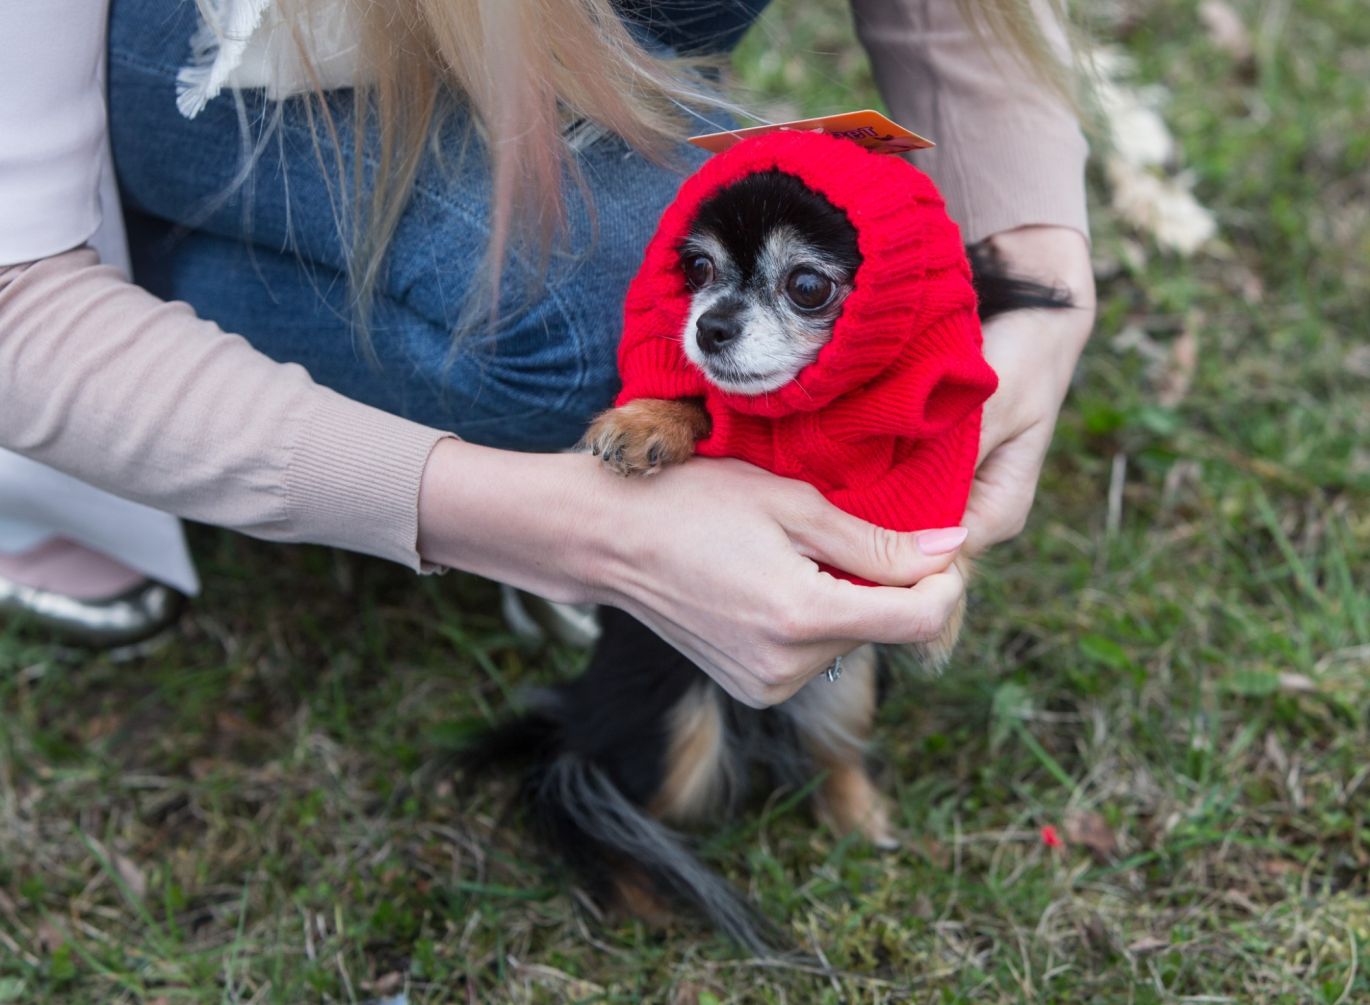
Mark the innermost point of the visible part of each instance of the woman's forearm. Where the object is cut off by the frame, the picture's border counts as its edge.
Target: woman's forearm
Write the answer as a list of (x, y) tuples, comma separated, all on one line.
[(102, 380), (1010, 151), (536, 521)]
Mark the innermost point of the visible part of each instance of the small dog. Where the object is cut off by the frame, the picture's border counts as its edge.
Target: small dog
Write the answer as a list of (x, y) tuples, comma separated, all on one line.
[(643, 743)]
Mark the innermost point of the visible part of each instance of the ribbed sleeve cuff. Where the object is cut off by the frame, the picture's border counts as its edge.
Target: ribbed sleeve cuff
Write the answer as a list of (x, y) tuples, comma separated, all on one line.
[(1047, 186), (353, 479)]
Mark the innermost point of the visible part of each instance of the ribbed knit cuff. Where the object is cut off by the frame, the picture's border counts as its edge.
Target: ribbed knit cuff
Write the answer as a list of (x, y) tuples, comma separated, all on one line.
[(353, 479), (1047, 187)]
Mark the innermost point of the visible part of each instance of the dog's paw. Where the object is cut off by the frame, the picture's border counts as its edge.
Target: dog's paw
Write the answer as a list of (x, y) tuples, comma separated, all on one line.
[(644, 436), (849, 803), (878, 830), (627, 448)]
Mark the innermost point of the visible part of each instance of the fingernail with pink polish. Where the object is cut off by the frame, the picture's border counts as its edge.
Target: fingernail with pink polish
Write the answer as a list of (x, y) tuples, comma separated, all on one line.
[(939, 542)]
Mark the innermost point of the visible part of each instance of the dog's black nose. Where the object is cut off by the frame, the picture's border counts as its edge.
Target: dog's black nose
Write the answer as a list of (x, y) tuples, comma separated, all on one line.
[(714, 331)]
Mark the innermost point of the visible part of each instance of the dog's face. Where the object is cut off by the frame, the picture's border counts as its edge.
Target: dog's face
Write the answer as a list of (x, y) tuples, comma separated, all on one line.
[(769, 263)]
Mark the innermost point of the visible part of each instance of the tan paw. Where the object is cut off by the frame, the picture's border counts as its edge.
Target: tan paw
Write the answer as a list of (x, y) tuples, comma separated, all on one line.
[(849, 803), (645, 435)]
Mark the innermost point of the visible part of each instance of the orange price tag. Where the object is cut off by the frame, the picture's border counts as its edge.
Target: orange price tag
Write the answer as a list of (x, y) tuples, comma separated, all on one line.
[(869, 128)]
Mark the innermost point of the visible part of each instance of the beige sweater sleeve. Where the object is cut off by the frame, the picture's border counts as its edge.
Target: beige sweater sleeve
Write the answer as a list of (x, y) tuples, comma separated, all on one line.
[(1009, 153), (102, 380)]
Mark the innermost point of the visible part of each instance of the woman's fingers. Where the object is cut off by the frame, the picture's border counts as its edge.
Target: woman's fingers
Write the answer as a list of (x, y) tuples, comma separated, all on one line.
[(891, 614), (718, 558), (827, 534), (1002, 493), (765, 675), (842, 617)]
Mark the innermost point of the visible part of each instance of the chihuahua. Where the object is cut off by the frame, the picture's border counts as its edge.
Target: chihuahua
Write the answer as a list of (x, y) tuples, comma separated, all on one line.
[(642, 745)]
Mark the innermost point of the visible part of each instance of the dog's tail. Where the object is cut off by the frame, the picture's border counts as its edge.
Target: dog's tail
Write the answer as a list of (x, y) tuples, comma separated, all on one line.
[(577, 811)]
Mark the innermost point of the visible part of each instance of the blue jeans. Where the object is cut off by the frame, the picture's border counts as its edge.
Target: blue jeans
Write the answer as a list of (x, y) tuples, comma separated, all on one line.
[(265, 259)]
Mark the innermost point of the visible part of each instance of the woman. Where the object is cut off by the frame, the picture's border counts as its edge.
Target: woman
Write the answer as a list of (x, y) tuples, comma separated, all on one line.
[(361, 295)]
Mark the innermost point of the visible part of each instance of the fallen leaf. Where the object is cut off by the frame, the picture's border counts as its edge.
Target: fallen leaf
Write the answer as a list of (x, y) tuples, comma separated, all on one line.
[(1163, 207), (1147, 945), (549, 976), (1226, 29), (1274, 753), (1357, 361), (386, 983), (1298, 683), (1093, 832), (1280, 867), (129, 874), (50, 937), (1178, 375)]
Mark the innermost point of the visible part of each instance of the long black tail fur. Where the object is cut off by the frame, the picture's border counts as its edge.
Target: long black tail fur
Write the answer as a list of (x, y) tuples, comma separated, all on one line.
[(592, 750)]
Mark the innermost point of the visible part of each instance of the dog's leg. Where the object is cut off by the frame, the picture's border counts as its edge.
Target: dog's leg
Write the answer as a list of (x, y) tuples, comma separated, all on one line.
[(697, 774), (696, 782), (833, 720), (644, 435), (641, 748)]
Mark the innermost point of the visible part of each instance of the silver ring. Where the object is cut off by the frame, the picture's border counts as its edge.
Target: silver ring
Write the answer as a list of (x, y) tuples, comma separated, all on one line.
[(835, 671)]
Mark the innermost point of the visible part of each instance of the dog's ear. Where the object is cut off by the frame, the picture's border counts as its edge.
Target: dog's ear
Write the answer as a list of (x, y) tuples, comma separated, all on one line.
[(998, 291)]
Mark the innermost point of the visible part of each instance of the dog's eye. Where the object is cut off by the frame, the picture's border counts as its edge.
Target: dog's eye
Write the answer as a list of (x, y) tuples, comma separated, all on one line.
[(808, 290), (699, 271)]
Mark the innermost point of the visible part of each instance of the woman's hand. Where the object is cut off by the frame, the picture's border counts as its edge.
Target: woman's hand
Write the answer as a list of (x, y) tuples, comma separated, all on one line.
[(1034, 353), (721, 558), (716, 556)]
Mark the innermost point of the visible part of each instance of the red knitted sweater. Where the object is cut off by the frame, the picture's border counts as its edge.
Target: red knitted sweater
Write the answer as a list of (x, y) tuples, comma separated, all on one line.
[(886, 421)]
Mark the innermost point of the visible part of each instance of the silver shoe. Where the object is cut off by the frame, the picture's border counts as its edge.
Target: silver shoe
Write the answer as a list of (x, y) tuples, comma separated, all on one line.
[(534, 618), (121, 620)]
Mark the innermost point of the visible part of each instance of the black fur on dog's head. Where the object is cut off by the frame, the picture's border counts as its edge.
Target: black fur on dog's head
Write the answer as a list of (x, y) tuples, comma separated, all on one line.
[(769, 262)]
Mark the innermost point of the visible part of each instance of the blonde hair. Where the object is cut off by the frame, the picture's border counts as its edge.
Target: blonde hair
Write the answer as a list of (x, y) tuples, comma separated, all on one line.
[(1019, 28), (525, 70)]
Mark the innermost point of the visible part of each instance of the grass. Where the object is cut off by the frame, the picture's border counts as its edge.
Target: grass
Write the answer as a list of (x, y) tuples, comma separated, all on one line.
[(1171, 667)]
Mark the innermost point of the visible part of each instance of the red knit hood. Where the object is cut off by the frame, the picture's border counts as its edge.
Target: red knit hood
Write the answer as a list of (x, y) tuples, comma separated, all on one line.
[(913, 273), (886, 420)]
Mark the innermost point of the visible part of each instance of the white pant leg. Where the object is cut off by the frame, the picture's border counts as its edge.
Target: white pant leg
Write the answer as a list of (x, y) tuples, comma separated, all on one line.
[(38, 503)]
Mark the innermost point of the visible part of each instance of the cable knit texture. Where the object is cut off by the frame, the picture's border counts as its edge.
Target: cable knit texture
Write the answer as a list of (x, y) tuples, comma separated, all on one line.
[(886, 421)]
